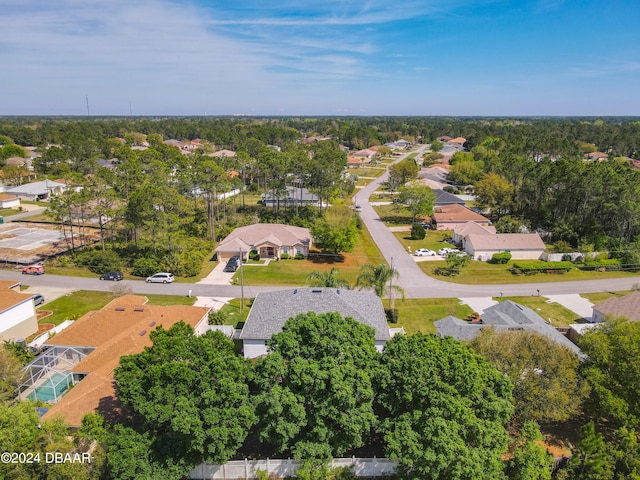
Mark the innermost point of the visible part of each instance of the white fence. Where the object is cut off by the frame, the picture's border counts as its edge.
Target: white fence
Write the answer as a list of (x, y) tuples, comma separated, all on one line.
[(246, 469)]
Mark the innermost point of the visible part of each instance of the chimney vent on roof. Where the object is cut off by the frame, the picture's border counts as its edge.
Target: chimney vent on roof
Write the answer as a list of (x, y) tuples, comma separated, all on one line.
[(138, 309), (120, 309), (316, 291), (152, 324), (142, 333)]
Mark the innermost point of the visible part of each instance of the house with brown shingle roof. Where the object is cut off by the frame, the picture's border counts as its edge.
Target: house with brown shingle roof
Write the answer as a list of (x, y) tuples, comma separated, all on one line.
[(9, 201), (522, 246), (270, 240), (17, 312), (90, 350), (597, 156), (448, 217), (616, 307)]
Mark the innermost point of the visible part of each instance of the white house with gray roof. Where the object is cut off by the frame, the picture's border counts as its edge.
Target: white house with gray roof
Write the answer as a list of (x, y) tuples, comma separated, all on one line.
[(506, 315), (271, 310), (37, 190)]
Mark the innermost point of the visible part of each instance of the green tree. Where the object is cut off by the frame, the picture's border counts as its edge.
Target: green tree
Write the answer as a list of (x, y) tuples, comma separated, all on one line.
[(380, 278), (329, 279), (592, 459), (464, 173), (530, 459), (402, 172), (314, 392), (336, 231), (443, 409), (612, 369), (547, 384), (11, 374), (418, 198), (456, 261), (190, 397), (495, 193), (436, 146)]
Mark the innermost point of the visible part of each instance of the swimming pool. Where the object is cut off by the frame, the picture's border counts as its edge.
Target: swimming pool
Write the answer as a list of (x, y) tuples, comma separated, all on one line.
[(52, 388)]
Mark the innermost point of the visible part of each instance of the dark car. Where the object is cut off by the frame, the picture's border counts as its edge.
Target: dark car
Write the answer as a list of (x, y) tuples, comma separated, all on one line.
[(38, 299), (232, 264), (113, 276)]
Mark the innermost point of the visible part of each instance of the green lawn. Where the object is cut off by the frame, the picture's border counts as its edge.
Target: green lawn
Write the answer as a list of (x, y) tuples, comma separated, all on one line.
[(235, 316), (419, 314), (6, 212), (76, 304), (598, 297), (393, 214), (295, 272), (556, 314), (481, 273), (434, 240)]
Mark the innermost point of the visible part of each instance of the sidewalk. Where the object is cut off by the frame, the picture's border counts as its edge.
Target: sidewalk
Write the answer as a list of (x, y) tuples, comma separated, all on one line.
[(574, 302)]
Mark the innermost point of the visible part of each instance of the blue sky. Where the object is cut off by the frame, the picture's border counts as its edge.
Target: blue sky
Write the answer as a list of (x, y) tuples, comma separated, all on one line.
[(331, 57)]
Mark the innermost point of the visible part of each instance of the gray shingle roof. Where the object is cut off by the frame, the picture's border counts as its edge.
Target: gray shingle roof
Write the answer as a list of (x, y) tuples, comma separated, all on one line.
[(506, 315), (446, 198), (271, 310), (35, 188)]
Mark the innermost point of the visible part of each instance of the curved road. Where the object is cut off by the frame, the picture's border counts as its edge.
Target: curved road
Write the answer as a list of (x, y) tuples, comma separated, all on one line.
[(417, 284), (413, 280)]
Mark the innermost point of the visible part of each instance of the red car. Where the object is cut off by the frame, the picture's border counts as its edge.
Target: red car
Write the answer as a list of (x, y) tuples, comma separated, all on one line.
[(33, 270)]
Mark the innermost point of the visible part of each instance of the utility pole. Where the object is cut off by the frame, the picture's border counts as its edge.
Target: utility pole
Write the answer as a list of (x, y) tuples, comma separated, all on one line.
[(87, 99), (241, 284), (391, 287)]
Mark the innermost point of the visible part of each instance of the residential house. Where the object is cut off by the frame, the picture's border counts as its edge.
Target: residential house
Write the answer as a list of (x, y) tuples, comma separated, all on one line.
[(522, 246), (616, 307), (461, 231), (457, 142), (18, 317), (224, 153), (270, 240), (19, 162), (506, 315), (41, 190), (9, 201), (449, 216), (444, 198), (271, 310), (597, 156), (86, 353), (294, 196)]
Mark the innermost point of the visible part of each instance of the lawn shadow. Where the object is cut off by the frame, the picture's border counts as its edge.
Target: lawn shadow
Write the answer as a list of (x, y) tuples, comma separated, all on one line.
[(325, 258)]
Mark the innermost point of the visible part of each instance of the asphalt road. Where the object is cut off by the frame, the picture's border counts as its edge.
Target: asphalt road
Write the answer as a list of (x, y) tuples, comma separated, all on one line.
[(419, 285), (413, 280)]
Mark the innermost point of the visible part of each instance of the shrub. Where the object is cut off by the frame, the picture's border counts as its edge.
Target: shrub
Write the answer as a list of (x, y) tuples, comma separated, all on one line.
[(562, 246), (217, 317), (417, 232), (254, 255), (604, 265), (285, 256), (392, 315), (99, 261), (501, 258), (532, 268), (145, 267), (191, 262), (299, 256)]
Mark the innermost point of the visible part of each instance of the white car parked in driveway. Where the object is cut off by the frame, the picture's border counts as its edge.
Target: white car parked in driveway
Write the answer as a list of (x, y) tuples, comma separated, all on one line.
[(424, 252), (446, 251)]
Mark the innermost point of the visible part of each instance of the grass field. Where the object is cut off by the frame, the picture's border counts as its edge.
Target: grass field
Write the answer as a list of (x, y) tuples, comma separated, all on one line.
[(295, 272), (556, 314), (598, 297), (434, 240), (76, 304), (481, 273), (235, 316), (419, 314)]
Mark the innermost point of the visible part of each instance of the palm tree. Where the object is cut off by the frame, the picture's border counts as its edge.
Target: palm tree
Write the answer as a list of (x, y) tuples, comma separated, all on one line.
[(327, 279), (380, 279)]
